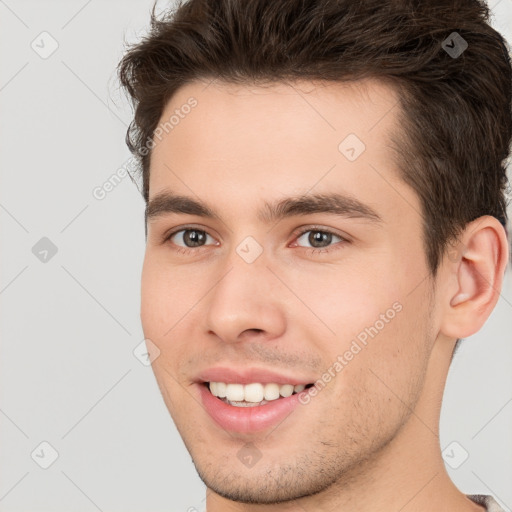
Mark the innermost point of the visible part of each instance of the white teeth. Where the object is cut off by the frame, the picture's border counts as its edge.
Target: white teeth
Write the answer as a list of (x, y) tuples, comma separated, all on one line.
[(235, 392), (286, 390), (271, 391), (253, 393), (221, 389)]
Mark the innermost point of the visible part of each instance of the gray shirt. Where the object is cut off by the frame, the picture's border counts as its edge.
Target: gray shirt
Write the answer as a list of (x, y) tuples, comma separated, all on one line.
[(488, 502)]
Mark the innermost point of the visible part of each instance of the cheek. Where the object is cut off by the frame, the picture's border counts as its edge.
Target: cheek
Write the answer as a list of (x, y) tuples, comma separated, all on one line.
[(169, 315), (343, 301), (166, 296), (382, 381), (369, 316), (152, 293), (392, 362), (164, 305)]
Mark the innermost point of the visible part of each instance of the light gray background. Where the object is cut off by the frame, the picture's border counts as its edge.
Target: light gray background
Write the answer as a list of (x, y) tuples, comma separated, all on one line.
[(68, 375)]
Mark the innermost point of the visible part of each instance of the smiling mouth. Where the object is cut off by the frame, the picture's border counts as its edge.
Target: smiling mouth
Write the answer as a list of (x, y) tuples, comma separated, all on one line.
[(254, 394)]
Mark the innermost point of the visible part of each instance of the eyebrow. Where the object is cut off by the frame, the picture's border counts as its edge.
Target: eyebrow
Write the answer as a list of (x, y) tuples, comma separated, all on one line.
[(333, 203)]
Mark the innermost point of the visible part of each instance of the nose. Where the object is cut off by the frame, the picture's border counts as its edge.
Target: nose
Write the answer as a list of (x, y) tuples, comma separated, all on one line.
[(245, 303)]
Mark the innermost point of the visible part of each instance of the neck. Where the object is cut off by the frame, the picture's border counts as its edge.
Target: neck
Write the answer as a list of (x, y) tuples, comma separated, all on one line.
[(407, 475)]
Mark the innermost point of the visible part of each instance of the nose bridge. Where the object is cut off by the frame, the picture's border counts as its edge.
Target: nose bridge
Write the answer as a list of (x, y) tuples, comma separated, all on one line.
[(240, 301)]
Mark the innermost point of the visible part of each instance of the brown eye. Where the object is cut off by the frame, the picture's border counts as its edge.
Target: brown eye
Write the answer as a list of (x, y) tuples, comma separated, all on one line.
[(190, 238), (318, 239)]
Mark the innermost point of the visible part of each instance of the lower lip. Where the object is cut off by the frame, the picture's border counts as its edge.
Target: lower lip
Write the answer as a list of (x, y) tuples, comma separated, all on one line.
[(247, 419)]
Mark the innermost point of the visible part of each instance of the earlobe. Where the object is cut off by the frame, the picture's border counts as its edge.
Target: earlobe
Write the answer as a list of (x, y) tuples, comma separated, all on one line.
[(476, 277)]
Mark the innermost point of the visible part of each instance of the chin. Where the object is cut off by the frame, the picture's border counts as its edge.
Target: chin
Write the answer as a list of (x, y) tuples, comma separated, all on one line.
[(264, 485)]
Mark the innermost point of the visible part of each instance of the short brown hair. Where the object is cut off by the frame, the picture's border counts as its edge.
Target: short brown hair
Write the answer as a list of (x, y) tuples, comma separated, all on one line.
[(455, 110)]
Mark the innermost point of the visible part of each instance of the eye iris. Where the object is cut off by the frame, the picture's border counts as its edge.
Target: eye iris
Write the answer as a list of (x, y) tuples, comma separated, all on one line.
[(319, 237), (194, 238)]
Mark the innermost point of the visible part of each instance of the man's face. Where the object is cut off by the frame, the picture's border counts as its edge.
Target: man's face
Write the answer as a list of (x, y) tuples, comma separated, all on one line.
[(340, 298)]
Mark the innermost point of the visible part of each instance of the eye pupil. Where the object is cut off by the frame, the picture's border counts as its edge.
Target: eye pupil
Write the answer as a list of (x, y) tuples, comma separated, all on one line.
[(193, 237), (320, 237)]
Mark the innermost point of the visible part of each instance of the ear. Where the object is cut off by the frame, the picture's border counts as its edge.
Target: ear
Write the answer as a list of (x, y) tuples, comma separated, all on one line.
[(475, 265)]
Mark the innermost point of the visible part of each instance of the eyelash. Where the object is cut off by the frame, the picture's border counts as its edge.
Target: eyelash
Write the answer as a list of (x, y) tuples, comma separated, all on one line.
[(311, 250)]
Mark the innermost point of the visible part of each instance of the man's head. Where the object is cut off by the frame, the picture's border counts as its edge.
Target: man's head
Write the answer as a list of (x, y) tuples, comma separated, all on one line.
[(308, 167), (454, 112)]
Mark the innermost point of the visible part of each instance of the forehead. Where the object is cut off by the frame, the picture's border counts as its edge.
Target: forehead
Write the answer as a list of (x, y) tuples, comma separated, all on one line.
[(277, 139), (278, 114)]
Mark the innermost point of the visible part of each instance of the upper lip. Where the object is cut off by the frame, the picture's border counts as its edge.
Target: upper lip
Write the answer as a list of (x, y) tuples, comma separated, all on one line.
[(248, 376)]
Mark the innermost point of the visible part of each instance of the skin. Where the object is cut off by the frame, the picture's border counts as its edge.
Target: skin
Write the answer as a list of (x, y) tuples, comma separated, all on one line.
[(370, 439)]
